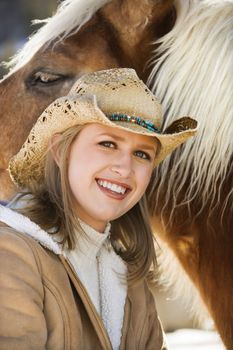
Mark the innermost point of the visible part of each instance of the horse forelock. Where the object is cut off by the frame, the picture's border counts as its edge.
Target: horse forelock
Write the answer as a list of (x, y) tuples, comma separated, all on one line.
[(70, 16), (194, 76)]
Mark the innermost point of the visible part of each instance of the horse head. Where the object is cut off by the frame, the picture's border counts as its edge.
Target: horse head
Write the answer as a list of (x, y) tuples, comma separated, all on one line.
[(78, 39)]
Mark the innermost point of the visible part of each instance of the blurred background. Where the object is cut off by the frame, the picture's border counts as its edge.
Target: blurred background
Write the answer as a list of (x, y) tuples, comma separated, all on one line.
[(15, 27), (15, 24)]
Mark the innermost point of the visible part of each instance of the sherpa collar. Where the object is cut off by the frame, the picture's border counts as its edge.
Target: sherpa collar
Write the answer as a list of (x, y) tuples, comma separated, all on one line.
[(24, 225)]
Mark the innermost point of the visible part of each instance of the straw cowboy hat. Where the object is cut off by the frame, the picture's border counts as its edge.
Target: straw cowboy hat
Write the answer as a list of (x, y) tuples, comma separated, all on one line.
[(115, 98)]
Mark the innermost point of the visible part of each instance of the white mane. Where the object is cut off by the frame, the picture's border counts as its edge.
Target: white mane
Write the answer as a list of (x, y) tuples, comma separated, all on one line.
[(194, 76), (70, 16), (173, 277)]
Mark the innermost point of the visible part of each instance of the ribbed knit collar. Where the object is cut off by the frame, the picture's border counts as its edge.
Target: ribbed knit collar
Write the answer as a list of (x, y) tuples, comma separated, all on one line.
[(90, 242)]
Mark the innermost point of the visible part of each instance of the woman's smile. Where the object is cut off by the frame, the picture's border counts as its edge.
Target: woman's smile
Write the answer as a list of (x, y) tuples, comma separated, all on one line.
[(113, 189)]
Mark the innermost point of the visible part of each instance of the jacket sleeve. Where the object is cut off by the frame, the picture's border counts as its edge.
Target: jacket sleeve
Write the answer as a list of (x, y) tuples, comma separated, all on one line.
[(155, 329), (22, 323)]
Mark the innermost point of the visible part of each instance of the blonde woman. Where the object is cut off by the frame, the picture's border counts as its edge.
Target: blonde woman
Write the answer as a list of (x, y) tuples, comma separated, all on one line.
[(77, 254)]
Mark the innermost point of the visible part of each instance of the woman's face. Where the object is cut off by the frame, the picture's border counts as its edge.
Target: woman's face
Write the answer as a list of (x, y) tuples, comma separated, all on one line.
[(109, 170)]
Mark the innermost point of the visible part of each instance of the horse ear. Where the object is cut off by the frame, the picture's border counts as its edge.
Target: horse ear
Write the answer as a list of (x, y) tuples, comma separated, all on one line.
[(133, 18)]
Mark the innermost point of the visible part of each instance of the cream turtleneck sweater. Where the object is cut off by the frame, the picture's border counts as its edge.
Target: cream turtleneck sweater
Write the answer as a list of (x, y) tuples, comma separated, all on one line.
[(101, 270)]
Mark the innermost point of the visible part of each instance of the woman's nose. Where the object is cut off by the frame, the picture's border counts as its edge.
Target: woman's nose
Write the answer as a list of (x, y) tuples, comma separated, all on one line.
[(123, 165)]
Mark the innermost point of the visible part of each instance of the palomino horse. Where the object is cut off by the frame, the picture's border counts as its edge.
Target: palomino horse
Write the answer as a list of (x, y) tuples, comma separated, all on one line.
[(190, 70)]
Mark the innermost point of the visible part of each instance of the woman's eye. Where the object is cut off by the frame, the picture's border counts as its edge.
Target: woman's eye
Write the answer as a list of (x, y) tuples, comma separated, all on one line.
[(107, 144), (142, 155)]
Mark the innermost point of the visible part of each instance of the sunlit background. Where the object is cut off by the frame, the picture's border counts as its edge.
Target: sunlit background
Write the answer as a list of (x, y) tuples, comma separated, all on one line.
[(15, 24)]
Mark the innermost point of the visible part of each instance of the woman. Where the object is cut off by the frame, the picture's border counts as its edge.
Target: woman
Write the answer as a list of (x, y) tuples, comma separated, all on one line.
[(66, 281)]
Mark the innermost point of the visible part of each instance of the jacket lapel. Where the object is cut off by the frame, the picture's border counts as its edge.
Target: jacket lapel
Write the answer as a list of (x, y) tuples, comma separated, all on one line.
[(91, 311)]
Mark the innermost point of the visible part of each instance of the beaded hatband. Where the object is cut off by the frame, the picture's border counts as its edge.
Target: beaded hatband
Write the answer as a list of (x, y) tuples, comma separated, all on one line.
[(120, 117)]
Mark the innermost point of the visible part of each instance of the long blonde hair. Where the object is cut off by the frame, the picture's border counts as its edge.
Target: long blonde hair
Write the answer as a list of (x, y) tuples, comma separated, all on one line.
[(50, 205)]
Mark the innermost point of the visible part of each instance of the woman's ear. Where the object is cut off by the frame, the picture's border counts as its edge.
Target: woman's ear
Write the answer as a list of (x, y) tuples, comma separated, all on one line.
[(54, 147)]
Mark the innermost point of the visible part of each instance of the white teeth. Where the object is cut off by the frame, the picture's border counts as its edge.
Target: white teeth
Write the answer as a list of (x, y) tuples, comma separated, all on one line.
[(112, 187)]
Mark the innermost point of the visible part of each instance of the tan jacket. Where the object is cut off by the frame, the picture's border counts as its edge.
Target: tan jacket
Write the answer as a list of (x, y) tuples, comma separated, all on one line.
[(43, 304)]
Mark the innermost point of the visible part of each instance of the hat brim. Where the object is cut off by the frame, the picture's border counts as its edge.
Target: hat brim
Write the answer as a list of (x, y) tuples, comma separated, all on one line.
[(27, 166)]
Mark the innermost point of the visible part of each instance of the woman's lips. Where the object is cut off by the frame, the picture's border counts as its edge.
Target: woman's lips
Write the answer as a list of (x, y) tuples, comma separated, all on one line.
[(113, 189)]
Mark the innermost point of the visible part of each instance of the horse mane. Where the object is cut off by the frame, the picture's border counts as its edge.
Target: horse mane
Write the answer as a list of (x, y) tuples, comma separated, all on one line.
[(70, 16), (193, 76), (173, 278)]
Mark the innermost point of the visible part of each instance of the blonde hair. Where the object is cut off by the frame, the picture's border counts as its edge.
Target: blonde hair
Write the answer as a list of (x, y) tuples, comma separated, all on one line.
[(50, 205)]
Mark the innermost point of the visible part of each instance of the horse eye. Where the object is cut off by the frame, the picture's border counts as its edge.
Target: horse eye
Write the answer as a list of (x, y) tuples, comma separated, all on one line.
[(45, 78)]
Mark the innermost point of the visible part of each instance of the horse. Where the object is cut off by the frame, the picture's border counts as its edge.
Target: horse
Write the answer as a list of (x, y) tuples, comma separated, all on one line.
[(183, 50)]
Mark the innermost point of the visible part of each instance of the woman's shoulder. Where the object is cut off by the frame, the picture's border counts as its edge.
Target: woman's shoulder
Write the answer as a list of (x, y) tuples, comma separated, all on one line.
[(30, 232), (20, 252), (9, 235), (17, 246), (13, 237)]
